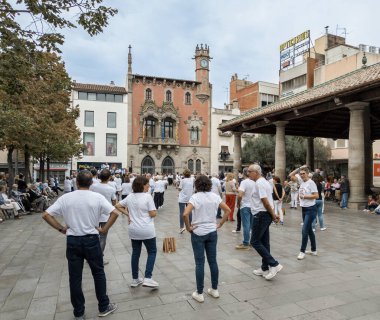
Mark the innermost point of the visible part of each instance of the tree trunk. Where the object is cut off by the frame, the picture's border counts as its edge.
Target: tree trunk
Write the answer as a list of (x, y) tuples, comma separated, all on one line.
[(28, 177), (42, 168), (10, 165), (16, 163), (47, 167)]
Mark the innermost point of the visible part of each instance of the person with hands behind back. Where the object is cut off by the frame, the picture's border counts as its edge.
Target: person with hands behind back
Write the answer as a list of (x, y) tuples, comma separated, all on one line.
[(263, 215), (308, 193), (81, 211), (204, 204)]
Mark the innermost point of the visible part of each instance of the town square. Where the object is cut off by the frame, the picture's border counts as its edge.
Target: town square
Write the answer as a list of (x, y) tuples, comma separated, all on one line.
[(177, 160)]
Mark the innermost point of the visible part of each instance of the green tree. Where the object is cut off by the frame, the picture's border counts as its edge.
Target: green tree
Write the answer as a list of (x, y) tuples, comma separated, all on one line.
[(261, 149)]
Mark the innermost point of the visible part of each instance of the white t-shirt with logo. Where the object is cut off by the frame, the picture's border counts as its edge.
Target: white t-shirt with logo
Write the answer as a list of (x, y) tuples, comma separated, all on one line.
[(306, 188), (246, 186), (81, 211), (261, 190), (187, 189), (142, 225), (107, 192), (204, 213)]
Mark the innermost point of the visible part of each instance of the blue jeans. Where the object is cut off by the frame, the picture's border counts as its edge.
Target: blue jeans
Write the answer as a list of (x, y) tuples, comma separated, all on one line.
[(344, 201), (103, 237), (319, 205), (308, 216), (260, 239), (78, 249), (182, 206), (201, 244), (246, 219), (151, 248)]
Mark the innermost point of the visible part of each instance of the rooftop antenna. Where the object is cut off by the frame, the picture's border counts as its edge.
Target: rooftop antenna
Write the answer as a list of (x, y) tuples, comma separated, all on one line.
[(246, 76), (344, 32), (227, 92)]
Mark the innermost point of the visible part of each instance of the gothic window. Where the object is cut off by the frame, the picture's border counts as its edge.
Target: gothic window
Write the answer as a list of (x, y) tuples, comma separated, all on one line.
[(168, 129), (147, 165), (168, 166), (187, 98), (150, 128), (194, 134), (148, 94), (168, 96), (190, 165), (198, 166)]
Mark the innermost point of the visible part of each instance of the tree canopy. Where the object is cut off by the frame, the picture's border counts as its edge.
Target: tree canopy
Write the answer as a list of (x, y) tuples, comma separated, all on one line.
[(261, 149)]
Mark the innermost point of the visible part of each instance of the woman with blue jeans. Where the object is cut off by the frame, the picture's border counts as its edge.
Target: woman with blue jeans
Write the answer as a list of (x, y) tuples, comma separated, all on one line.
[(319, 203), (308, 193), (204, 237), (141, 211)]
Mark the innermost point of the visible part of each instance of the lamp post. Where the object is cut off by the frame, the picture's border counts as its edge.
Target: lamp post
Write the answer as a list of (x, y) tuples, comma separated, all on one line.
[(224, 154)]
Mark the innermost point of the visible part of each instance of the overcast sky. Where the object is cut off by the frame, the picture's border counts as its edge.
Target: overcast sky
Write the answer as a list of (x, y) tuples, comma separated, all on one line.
[(243, 35)]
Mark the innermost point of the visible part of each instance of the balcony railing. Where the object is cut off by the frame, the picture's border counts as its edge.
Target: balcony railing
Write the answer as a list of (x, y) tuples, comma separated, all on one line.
[(165, 141)]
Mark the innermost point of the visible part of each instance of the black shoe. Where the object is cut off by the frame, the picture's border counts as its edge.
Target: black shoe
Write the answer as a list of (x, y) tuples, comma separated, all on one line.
[(111, 308)]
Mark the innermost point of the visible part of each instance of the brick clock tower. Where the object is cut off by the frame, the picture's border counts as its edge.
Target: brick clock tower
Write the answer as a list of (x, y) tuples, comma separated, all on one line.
[(169, 119), (202, 64)]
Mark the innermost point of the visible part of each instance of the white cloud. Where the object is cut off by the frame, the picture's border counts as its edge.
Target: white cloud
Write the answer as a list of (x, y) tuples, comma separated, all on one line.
[(243, 35)]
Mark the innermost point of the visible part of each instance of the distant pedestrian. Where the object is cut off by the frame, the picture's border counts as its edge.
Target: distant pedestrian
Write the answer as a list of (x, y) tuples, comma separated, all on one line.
[(186, 190), (67, 186), (81, 211), (204, 236)]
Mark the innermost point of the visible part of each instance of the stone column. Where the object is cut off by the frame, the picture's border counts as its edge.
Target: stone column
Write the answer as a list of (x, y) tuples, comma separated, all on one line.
[(280, 156), (356, 154), (310, 153), (237, 153)]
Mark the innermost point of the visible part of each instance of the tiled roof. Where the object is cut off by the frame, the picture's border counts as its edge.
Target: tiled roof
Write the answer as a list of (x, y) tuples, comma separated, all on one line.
[(336, 87), (88, 87)]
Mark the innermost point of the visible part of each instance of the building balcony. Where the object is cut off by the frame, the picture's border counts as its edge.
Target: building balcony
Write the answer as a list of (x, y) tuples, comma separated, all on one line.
[(160, 141)]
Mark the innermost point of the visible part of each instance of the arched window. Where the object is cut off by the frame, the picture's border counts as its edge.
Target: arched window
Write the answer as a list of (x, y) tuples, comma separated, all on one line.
[(168, 166), (168, 96), (148, 94), (198, 166), (187, 98), (147, 165), (150, 128), (190, 165), (194, 134), (167, 128)]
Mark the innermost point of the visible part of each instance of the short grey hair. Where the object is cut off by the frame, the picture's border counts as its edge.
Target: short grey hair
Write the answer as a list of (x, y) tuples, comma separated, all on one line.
[(245, 172), (255, 167)]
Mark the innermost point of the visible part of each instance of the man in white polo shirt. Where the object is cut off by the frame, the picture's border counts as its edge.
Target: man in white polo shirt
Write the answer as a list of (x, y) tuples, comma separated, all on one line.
[(263, 215), (81, 211)]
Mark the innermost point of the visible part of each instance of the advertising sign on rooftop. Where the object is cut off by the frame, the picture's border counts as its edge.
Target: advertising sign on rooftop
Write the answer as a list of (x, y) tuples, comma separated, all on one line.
[(293, 50)]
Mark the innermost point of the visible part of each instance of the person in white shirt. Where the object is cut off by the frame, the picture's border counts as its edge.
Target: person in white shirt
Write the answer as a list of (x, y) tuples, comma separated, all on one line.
[(141, 211), (108, 192), (81, 211), (263, 215), (244, 203), (186, 190), (94, 176), (204, 237), (308, 193), (126, 187), (118, 183), (67, 186), (217, 189)]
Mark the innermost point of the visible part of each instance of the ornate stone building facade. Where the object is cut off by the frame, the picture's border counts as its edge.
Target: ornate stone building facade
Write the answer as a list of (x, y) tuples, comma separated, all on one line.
[(169, 120)]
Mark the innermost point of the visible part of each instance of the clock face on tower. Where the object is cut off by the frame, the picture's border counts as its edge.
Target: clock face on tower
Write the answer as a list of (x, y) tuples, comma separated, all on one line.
[(204, 63)]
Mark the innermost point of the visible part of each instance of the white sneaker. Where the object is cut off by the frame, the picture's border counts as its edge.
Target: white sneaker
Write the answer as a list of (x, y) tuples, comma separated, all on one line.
[(273, 271), (136, 282), (198, 297), (301, 256), (301, 224), (235, 231), (323, 229), (313, 253), (149, 282), (260, 272), (213, 292), (313, 230), (105, 262), (182, 230)]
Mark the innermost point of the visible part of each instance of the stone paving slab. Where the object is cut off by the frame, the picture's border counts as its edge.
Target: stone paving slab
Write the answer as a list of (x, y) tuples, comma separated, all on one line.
[(342, 282)]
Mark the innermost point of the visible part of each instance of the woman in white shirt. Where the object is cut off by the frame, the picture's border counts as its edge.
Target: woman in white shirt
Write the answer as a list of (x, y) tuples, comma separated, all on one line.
[(186, 190), (308, 192), (141, 210), (203, 229), (126, 187)]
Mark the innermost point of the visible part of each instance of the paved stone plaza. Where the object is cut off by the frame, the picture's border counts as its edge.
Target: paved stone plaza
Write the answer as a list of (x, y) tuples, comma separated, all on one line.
[(343, 282)]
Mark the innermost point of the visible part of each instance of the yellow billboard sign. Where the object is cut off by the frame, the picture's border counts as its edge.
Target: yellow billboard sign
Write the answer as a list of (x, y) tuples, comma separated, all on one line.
[(301, 37)]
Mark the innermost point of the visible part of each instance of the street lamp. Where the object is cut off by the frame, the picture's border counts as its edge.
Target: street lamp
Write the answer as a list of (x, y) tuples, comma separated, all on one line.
[(224, 155)]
